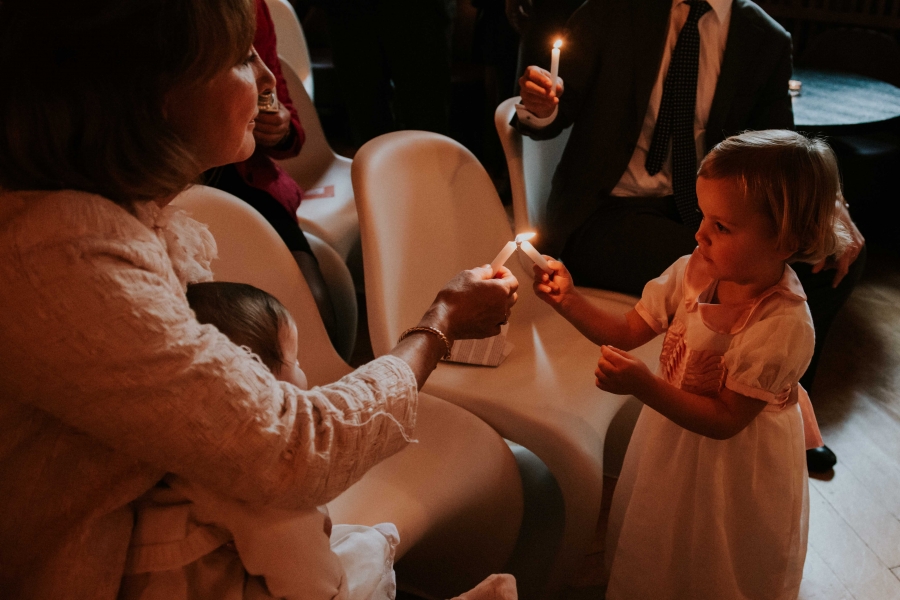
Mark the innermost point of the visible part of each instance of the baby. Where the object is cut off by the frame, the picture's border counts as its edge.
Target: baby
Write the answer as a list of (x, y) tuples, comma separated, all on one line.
[(185, 534)]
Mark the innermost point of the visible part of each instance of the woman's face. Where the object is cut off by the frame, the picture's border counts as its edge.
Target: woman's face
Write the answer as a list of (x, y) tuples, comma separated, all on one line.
[(216, 118)]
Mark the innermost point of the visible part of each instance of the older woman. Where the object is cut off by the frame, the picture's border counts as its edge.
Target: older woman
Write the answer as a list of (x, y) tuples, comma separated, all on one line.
[(109, 109)]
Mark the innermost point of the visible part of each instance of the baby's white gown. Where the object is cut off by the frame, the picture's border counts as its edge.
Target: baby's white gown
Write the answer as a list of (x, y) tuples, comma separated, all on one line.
[(697, 518)]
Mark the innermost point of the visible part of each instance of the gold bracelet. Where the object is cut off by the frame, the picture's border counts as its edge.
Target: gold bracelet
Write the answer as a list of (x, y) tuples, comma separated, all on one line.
[(436, 332)]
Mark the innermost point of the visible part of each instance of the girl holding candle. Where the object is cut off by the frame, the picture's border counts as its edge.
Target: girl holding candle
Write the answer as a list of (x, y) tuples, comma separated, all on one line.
[(713, 500)]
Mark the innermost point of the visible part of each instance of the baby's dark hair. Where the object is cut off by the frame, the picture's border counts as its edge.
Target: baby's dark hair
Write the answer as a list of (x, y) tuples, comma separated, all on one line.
[(247, 315)]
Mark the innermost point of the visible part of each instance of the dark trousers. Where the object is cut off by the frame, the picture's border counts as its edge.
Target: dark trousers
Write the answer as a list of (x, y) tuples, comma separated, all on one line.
[(629, 241), (392, 60)]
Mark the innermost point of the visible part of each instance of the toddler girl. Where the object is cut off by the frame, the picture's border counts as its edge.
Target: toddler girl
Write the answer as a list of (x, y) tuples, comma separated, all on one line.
[(184, 533), (713, 500)]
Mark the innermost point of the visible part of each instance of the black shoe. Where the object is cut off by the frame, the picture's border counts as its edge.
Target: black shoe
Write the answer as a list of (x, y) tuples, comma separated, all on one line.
[(820, 460)]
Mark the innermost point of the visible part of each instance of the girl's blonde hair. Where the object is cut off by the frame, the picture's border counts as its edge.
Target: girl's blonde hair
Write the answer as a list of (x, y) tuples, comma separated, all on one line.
[(792, 178), (82, 105)]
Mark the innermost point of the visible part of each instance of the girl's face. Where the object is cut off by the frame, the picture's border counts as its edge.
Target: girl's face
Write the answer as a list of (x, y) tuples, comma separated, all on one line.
[(290, 370), (737, 241), (216, 118)]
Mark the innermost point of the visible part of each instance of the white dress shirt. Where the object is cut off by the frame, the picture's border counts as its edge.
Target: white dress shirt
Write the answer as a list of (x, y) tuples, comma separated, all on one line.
[(713, 28)]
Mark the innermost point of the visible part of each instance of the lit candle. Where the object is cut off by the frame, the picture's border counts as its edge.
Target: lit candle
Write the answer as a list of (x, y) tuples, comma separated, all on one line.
[(531, 252), (554, 64), (522, 237), (534, 255), (504, 255)]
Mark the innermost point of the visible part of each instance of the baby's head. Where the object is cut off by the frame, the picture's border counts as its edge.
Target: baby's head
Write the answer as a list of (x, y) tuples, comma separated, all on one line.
[(793, 180), (253, 318)]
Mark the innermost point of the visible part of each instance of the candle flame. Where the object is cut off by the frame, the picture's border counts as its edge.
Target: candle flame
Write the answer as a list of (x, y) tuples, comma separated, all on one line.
[(524, 237), (557, 44)]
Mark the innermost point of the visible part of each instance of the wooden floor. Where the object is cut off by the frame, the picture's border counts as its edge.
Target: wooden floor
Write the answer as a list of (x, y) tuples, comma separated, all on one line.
[(854, 523)]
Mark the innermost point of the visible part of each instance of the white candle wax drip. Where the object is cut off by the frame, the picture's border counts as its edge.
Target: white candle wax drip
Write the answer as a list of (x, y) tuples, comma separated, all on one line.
[(533, 254)]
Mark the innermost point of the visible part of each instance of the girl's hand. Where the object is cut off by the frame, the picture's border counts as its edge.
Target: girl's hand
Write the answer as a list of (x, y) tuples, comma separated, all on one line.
[(620, 373), (557, 288)]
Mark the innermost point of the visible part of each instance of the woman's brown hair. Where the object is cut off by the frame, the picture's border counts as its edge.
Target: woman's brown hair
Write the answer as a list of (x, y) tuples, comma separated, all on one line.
[(247, 315), (794, 180), (82, 104)]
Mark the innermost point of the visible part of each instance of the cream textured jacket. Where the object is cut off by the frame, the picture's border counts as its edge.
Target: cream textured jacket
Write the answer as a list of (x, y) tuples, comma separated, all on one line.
[(107, 381)]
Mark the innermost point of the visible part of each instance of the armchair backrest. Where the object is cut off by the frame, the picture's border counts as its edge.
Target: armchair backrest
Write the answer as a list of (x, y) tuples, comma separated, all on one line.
[(316, 156), (250, 251), (292, 47), (531, 167), (427, 210)]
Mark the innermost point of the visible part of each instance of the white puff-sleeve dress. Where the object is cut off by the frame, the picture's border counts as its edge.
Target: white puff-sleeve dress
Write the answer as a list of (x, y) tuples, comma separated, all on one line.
[(693, 517)]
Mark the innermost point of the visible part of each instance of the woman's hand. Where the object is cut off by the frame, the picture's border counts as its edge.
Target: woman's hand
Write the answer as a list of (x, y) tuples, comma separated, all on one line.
[(272, 128), (556, 289), (538, 95), (474, 304), (620, 373)]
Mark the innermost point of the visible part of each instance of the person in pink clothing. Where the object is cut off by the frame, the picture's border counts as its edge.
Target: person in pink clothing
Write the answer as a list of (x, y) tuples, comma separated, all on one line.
[(713, 497), (261, 182)]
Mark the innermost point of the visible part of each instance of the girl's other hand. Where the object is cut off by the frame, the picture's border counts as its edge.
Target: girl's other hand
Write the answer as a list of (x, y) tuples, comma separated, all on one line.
[(621, 373), (556, 288)]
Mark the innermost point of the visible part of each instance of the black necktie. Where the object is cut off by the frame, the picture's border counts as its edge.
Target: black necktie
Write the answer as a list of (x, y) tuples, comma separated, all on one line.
[(676, 118)]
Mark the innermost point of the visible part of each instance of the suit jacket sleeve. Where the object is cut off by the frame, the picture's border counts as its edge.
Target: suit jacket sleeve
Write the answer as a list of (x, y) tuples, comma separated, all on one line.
[(774, 110)]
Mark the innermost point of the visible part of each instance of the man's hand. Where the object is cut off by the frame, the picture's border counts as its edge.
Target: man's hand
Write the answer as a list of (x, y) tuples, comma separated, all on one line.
[(538, 95), (272, 128), (842, 263)]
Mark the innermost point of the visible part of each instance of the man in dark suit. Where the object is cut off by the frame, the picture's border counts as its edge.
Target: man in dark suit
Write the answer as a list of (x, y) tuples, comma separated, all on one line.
[(612, 214)]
